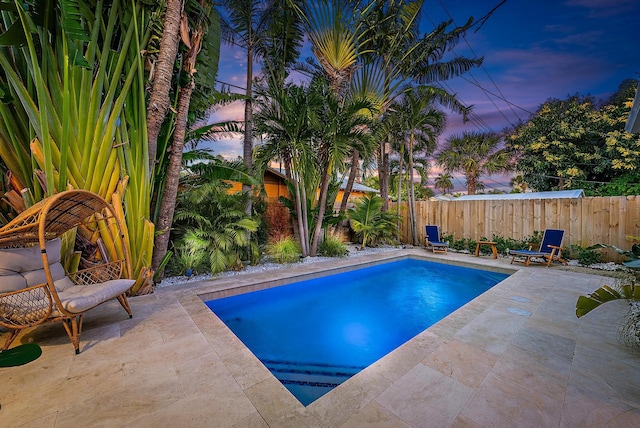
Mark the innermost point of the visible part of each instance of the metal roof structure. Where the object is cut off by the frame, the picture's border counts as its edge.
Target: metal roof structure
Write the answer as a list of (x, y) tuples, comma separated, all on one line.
[(358, 187), (560, 194)]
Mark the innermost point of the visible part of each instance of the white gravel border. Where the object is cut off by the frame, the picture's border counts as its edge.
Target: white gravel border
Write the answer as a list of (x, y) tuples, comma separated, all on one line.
[(354, 251)]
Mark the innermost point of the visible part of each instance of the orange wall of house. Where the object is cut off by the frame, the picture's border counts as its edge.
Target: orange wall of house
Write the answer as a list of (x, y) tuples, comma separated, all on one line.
[(353, 196), (235, 186), (273, 189)]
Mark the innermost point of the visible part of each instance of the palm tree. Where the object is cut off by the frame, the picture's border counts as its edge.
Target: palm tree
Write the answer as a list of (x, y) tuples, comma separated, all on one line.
[(333, 27), (420, 124), (280, 42), (474, 154), (286, 118), (395, 53), (159, 101), (444, 183), (342, 127), (205, 19), (246, 23), (369, 221)]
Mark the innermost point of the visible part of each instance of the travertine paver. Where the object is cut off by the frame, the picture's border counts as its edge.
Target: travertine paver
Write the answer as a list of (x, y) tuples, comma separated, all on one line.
[(515, 356)]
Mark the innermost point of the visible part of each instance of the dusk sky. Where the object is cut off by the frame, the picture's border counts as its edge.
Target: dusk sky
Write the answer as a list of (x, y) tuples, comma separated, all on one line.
[(533, 51)]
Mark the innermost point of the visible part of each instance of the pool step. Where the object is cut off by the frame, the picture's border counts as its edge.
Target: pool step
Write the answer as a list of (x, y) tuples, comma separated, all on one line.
[(311, 374)]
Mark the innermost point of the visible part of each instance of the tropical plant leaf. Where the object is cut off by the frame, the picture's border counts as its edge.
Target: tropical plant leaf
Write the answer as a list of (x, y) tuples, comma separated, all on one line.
[(604, 294), (14, 36), (72, 21)]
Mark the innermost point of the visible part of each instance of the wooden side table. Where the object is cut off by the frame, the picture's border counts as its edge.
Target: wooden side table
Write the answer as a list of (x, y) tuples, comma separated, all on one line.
[(494, 250)]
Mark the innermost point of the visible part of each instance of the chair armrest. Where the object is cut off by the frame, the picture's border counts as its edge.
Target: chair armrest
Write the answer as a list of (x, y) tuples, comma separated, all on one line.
[(555, 250), (26, 307), (97, 274)]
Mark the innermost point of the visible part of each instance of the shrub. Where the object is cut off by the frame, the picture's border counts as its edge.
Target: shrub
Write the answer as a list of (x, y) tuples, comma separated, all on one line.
[(462, 244), (370, 224), (214, 222), (332, 247), (584, 256), (276, 217), (505, 244), (284, 250), (186, 258)]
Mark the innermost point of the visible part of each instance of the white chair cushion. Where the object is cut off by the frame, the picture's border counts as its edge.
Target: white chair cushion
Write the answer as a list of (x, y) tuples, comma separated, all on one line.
[(30, 258), (12, 282), (79, 298)]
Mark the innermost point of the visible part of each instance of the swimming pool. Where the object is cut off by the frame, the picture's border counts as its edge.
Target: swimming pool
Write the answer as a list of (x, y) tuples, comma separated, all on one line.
[(315, 334)]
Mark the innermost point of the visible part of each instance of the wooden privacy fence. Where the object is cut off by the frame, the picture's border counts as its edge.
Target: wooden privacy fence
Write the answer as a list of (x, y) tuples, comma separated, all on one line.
[(586, 221)]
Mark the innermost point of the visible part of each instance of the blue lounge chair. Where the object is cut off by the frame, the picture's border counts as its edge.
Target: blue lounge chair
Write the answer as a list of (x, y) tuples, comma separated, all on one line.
[(433, 240), (550, 249)]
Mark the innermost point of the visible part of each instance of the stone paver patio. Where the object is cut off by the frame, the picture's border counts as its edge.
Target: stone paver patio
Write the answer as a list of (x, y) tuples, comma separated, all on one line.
[(514, 357)]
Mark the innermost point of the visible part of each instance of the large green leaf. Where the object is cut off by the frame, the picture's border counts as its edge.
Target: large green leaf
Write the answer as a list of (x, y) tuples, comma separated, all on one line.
[(14, 36), (604, 294)]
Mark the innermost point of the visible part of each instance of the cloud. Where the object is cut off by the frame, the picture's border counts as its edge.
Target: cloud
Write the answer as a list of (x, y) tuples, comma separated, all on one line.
[(604, 8), (233, 111), (228, 147)]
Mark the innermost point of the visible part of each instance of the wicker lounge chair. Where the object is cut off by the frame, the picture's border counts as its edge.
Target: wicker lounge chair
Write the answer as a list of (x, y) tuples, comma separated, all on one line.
[(433, 242), (34, 287), (550, 249)]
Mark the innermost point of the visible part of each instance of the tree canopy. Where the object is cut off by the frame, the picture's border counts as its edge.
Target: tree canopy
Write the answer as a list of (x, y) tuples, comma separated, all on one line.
[(577, 144)]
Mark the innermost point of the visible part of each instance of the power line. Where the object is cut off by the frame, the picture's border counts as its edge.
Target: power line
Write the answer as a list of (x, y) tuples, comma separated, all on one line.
[(231, 85), (476, 80), (477, 84), (473, 117), (497, 96), (481, 65)]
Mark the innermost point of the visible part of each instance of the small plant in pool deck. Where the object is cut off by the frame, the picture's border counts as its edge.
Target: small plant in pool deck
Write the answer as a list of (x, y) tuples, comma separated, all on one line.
[(332, 247), (370, 223), (188, 260), (285, 250)]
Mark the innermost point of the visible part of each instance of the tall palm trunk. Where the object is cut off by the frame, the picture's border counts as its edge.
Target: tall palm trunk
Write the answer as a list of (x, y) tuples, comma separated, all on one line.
[(324, 188), (472, 179), (304, 242), (355, 158), (305, 217), (159, 101), (168, 202), (411, 195), (247, 148), (401, 158), (383, 173)]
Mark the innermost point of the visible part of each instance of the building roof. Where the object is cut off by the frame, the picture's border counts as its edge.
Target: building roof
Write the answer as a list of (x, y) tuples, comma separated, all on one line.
[(559, 194), (358, 187)]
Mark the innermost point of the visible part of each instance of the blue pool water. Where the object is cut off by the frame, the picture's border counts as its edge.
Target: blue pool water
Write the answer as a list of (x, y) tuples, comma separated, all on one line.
[(315, 334)]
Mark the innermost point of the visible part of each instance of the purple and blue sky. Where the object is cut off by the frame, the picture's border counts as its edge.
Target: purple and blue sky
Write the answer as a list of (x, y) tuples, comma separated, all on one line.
[(533, 51)]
